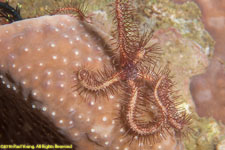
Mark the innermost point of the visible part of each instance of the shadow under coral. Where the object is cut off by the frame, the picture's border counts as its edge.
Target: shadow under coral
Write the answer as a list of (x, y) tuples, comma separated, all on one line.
[(22, 124)]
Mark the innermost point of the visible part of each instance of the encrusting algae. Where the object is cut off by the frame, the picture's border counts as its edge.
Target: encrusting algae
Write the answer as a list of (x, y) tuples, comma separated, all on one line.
[(42, 54)]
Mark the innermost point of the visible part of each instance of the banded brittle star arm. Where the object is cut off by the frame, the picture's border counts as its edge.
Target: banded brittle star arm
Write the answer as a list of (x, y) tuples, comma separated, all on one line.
[(140, 130)]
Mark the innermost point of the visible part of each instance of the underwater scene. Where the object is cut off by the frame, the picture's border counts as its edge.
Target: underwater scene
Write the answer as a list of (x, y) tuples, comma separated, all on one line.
[(112, 74)]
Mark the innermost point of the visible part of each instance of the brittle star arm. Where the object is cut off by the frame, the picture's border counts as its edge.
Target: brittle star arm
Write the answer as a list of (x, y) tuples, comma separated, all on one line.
[(121, 31), (132, 104), (89, 82), (173, 122)]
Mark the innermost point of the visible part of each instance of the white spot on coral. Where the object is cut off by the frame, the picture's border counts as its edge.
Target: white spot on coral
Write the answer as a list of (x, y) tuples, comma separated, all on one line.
[(34, 93), (104, 118), (8, 86), (54, 57), (33, 106), (77, 38), (44, 108), (117, 147), (56, 29), (36, 77), (98, 48), (72, 110), (49, 73), (89, 59), (71, 122), (113, 122), (99, 107), (77, 64), (73, 28), (65, 60), (111, 96), (62, 85), (92, 130), (53, 113), (41, 64), (60, 121), (99, 59), (24, 82), (106, 143), (92, 103), (52, 45), (76, 134), (76, 52), (14, 88), (66, 36), (121, 130), (48, 95), (28, 67), (61, 73), (74, 95), (80, 116), (61, 99)]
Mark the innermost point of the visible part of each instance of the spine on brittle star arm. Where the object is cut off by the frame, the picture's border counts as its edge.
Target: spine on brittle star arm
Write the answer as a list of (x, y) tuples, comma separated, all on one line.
[(91, 84), (150, 129)]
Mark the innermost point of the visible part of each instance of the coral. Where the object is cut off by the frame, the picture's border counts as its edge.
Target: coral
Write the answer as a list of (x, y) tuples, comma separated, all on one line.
[(208, 89), (187, 21)]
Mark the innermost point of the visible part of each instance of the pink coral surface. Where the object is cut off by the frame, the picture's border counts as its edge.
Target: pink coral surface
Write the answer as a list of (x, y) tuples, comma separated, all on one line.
[(208, 89)]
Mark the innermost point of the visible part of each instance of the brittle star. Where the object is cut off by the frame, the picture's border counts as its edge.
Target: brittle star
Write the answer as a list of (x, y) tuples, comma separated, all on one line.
[(142, 86)]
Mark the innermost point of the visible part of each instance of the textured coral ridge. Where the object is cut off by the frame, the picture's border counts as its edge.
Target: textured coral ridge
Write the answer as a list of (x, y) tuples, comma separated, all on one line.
[(41, 55)]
